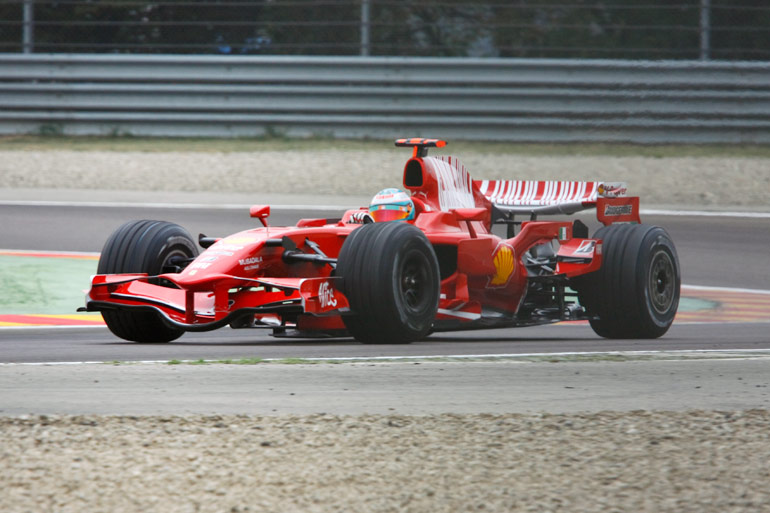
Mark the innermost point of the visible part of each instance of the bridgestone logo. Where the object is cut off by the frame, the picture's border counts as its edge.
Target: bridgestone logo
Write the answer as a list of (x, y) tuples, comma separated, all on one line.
[(618, 210)]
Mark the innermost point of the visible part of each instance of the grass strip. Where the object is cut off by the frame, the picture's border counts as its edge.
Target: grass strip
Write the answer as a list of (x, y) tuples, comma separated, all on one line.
[(538, 358), (235, 145)]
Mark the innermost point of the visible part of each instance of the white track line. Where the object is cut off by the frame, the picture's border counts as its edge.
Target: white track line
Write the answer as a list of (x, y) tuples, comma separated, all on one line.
[(703, 213), (763, 353), (12, 252), (725, 289), (212, 206), (195, 206), (54, 327)]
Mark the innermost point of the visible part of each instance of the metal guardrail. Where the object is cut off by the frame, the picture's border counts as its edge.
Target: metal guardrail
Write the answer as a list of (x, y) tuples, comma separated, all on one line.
[(485, 99)]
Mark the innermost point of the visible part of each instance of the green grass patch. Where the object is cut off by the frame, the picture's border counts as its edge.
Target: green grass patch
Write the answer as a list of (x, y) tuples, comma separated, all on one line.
[(42, 285), (457, 147), (248, 361), (297, 361), (183, 144), (604, 357), (226, 361), (522, 359), (239, 361)]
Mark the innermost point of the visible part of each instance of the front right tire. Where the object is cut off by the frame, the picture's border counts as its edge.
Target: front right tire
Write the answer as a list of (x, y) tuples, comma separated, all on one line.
[(144, 247), (390, 277)]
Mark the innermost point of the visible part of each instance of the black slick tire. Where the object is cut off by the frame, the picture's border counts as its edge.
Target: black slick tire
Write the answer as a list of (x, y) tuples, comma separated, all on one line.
[(143, 247), (390, 276), (635, 294)]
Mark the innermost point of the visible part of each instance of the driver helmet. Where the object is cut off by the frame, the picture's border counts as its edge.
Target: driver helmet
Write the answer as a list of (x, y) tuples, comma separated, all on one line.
[(391, 205)]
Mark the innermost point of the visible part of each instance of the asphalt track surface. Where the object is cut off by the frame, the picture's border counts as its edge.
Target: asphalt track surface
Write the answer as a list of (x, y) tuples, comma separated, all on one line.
[(713, 251)]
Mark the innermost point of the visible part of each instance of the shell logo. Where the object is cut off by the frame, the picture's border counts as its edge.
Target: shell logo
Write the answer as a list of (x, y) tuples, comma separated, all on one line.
[(504, 266)]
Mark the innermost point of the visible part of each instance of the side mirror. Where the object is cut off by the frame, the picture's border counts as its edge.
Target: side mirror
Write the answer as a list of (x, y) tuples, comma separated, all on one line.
[(261, 212), (470, 214)]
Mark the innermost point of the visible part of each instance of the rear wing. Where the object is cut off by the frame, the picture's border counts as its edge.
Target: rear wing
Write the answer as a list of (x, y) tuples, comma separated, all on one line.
[(546, 197)]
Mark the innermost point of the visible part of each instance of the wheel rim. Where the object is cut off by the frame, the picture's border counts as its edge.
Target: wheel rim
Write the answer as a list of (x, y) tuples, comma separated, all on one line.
[(168, 262), (662, 282), (414, 277), (173, 255)]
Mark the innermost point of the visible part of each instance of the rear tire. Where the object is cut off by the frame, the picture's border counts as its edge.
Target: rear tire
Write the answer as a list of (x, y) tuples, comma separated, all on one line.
[(635, 294), (390, 276), (143, 247)]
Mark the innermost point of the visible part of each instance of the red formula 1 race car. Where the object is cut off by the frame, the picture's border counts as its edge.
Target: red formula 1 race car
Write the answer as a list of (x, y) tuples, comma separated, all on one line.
[(410, 264)]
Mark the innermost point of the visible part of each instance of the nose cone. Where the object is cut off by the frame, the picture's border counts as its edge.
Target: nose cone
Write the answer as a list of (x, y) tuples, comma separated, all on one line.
[(234, 256)]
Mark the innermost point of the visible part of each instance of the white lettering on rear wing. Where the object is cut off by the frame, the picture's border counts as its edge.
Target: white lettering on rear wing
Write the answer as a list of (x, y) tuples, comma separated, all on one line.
[(547, 197)]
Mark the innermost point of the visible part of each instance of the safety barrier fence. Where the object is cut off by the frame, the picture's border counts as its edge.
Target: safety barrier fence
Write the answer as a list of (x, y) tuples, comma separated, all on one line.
[(384, 97)]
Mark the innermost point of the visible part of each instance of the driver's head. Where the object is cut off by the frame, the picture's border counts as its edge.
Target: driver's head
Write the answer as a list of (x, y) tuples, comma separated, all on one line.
[(391, 205)]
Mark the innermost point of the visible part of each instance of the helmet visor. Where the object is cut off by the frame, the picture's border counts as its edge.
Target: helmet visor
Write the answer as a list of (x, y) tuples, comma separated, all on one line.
[(383, 213)]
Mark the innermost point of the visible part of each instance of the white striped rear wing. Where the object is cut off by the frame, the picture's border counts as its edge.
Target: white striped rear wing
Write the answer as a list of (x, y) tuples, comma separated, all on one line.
[(546, 197)]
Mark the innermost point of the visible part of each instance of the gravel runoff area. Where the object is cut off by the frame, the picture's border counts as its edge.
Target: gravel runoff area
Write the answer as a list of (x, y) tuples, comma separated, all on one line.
[(695, 461), (695, 182), (641, 461)]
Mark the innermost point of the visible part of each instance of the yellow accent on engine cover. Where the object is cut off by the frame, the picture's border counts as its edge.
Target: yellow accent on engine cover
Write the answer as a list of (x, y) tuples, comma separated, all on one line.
[(504, 263)]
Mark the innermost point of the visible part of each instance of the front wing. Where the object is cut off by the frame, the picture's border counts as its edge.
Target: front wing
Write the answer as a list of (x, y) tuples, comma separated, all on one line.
[(228, 299)]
